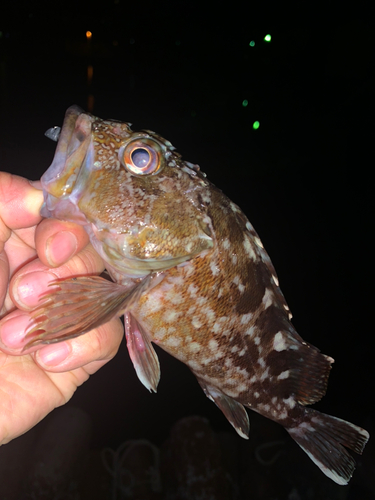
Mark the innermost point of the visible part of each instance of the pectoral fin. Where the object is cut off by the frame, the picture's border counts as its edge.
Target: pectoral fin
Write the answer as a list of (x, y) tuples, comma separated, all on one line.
[(78, 305), (233, 411), (142, 354)]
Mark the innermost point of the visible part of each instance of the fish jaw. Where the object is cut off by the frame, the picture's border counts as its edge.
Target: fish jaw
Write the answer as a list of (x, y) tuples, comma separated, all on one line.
[(60, 179), (71, 150)]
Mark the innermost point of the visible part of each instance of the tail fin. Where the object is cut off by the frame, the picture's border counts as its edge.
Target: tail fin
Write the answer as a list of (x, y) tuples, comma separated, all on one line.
[(323, 438)]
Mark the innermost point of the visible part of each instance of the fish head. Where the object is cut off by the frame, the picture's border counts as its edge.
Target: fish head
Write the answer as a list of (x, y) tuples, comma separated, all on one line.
[(144, 208)]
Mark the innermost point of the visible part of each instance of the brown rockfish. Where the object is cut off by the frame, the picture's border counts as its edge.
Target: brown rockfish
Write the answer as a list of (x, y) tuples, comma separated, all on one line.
[(191, 275)]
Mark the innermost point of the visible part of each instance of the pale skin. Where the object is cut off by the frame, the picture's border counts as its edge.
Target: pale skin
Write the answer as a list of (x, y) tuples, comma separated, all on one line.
[(34, 252)]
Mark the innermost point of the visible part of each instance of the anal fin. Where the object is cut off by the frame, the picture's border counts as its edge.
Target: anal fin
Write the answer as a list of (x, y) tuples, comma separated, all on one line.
[(142, 354), (233, 411)]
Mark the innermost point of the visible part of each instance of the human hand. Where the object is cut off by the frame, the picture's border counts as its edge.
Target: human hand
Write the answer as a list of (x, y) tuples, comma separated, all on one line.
[(32, 254)]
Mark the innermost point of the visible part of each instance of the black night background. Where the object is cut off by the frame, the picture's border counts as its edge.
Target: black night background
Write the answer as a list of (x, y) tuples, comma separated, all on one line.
[(203, 76)]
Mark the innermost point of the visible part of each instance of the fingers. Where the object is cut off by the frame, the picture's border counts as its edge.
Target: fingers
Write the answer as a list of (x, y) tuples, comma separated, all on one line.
[(29, 283), (19, 210), (90, 351), (33, 279), (56, 241), (20, 203)]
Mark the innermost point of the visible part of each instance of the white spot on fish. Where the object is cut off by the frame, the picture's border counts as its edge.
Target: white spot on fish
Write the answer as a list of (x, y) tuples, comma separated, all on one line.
[(206, 197), (196, 322), (250, 331), (194, 365), (283, 375), (153, 306), (275, 280), (249, 227), (242, 388), (189, 247), (234, 207), (214, 268), (242, 371), (245, 318), (258, 242), (256, 394), (192, 290), (265, 374), (279, 342), (249, 248), (218, 325), (213, 344), (194, 347), (173, 341), (290, 402), (233, 393), (226, 244), (170, 316), (267, 298)]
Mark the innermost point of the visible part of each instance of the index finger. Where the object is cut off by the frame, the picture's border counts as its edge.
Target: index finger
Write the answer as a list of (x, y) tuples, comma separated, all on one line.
[(20, 204)]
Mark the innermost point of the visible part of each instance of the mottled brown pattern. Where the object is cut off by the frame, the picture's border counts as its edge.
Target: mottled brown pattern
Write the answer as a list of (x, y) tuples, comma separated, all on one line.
[(217, 305)]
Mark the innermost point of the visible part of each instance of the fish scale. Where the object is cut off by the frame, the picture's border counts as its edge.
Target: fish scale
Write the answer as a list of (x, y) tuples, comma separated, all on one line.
[(191, 275)]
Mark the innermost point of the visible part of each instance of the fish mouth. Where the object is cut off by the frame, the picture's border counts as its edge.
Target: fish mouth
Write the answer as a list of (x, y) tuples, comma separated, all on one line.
[(71, 150), (59, 180)]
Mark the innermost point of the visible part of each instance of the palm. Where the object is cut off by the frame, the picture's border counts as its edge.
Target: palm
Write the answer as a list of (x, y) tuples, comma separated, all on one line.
[(29, 393)]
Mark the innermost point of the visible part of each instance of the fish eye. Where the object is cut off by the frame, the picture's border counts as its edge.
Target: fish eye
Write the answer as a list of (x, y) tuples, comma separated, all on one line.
[(141, 156)]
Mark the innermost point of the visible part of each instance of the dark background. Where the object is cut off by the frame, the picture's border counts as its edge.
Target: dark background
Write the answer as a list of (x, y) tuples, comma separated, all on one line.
[(304, 178)]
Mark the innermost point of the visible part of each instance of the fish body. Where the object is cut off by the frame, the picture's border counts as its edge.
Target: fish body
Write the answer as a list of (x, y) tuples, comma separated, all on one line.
[(191, 275)]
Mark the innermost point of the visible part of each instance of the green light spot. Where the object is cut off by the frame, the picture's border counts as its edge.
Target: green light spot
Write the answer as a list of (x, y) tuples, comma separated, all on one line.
[(256, 125), (245, 102), (252, 43), (267, 38)]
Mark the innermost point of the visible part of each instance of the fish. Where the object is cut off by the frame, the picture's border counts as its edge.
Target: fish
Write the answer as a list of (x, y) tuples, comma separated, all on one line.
[(189, 273)]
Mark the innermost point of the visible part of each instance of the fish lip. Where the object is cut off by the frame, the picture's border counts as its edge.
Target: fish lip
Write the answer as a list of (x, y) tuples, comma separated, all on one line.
[(66, 133), (62, 209), (71, 149)]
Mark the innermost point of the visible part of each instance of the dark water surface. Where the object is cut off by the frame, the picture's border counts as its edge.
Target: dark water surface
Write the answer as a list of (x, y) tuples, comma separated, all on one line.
[(303, 179)]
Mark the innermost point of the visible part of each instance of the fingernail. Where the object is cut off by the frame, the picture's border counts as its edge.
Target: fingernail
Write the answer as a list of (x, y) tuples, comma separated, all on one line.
[(60, 247), (53, 355), (29, 287), (12, 331)]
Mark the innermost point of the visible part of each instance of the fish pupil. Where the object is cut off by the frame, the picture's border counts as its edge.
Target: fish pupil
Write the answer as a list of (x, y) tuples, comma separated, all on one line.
[(140, 157)]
